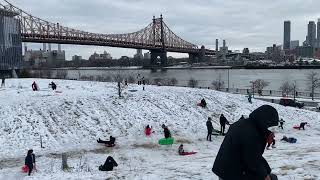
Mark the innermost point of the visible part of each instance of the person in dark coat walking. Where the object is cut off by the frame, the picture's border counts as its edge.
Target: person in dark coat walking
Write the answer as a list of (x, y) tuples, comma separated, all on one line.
[(30, 161), (108, 165), (166, 131), (240, 155), (210, 129), (223, 122)]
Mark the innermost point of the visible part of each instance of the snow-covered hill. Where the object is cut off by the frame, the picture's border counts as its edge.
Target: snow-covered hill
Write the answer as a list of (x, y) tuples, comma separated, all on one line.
[(72, 119)]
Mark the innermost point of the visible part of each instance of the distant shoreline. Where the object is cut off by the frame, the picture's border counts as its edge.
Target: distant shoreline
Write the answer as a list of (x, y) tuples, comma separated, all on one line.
[(184, 68)]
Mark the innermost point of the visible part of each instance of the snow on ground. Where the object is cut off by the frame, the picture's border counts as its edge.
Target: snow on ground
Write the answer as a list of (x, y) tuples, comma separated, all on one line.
[(73, 119)]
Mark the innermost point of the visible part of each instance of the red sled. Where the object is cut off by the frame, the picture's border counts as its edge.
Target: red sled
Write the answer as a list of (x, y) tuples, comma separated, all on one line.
[(25, 169), (187, 153), (110, 145), (296, 127)]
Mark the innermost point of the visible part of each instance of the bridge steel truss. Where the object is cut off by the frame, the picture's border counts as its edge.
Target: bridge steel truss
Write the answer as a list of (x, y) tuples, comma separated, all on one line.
[(156, 37)]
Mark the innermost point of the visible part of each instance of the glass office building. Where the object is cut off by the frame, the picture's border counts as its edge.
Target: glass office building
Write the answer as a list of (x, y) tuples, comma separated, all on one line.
[(10, 41)]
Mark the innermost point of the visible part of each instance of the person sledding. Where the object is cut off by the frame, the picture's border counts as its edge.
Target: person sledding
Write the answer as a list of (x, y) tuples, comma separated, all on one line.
[(108, 165), (30, 161), (223, 122), (203, 103), (289, 140), (281, 123), (166, 131), (109, 143), (34, 86), (301, 126), (53, 85), (148, 130), (183, 153), (270, 140), (240, 156), (209, 128)]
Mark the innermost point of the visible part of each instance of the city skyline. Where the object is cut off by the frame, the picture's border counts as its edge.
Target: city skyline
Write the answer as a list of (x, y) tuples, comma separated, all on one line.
[(198, 22)]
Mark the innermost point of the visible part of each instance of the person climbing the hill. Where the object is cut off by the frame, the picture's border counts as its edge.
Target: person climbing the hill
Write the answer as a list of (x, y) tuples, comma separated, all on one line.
[(289, 140), (302, 125), (108, 165), (281, 123), (181, 150), (166, 131), (30, 161), (223, 122), (203, 103), (111, 142), (34, 86), (210, 128), (240, 155), (270, 140), (53, 85), (147, 130), (242, 117)]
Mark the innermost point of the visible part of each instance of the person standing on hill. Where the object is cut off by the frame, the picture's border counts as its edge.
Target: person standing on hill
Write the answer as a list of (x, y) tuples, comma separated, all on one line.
[(270, 140), (223, 122), (34, 86), (30, 161), (210, 129), (3, 82), (281, 123), (240, 155), (166, 131)]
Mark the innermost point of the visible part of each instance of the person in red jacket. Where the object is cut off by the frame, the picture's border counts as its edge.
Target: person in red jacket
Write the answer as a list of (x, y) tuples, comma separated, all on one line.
[(270, 140), (147, 131)]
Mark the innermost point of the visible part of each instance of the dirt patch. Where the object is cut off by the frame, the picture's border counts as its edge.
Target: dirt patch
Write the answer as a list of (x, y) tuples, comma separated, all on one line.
[(288, 167), (146, 146)]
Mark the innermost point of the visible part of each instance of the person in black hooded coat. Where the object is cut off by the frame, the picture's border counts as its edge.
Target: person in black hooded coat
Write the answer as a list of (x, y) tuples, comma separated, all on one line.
[(30, 161), (108, 165), (240, 155)]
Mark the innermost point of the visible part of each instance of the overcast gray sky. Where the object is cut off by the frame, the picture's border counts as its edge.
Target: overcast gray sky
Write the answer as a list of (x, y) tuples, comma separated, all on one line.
[(243, 23)]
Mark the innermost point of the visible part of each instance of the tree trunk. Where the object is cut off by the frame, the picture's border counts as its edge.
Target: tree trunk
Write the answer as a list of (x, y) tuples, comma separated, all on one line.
[(64, 162)]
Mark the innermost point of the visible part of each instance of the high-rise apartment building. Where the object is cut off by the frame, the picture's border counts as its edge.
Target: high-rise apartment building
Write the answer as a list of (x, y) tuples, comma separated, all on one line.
[(287, 35)]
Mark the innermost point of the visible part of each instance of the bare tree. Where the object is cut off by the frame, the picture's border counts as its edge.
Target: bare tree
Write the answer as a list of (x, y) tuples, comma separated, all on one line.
[(62, 74), (193, 83), (218, 84), (286, 88), (131, 79), (260, 84), (313, 82), (158, 81), (119, 77)]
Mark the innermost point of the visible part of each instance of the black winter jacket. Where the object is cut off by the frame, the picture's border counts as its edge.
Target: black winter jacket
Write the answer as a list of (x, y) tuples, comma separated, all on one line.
[(209, 126), (240, 155), (223, 121), (167, 133), (30, 159)]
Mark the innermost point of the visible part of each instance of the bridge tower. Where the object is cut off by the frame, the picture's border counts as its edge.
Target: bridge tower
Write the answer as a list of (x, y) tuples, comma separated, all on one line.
[(159, 56)]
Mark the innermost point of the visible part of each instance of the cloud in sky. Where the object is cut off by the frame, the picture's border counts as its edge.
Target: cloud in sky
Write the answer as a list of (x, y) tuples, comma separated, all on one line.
[(243, 23)]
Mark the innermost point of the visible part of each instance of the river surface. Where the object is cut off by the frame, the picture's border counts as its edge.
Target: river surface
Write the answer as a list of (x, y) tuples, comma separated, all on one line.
[(238, 78)]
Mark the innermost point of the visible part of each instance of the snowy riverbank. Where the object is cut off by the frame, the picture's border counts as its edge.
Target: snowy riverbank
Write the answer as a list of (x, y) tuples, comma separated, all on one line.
[(71, 121)]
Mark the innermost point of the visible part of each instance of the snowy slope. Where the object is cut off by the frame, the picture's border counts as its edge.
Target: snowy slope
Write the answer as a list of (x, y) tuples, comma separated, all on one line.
[(72, 120)]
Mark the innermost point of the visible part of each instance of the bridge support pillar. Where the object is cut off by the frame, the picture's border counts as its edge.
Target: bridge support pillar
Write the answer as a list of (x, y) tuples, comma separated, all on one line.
[(159, 58)]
